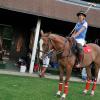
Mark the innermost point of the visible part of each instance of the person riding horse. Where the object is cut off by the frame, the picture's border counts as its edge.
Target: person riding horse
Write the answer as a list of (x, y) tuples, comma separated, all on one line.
[(79, 34), (67, 62)]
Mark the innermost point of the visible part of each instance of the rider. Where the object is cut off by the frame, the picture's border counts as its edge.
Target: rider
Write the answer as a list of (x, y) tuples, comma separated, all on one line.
[(79, 34)]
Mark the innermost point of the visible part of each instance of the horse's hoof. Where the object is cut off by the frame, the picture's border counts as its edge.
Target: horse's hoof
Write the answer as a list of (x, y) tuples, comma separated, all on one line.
[(58, 94), (85, 92), (92, 93), (63, 97)]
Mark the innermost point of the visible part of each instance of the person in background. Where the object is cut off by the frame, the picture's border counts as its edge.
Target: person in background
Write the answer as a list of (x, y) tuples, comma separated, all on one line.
[(45, 65), (45, 59), (84, 74), (53, 60)]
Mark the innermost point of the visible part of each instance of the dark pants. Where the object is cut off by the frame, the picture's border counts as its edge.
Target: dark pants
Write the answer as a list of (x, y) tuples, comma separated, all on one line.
[(80, 52)]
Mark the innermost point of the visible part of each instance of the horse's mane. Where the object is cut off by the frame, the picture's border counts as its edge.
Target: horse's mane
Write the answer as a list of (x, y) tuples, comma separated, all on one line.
[(59, 38), (56, 37)]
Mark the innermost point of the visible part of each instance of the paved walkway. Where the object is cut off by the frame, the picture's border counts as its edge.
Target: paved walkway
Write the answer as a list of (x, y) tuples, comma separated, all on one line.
[(35, 74), (49, 76)]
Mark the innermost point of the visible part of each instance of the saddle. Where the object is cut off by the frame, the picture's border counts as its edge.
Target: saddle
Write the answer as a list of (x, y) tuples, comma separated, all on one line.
[(79, 52), (85, 49)]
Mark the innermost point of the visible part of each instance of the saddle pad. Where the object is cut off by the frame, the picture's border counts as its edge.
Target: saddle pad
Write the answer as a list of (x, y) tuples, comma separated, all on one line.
[(87, 49)]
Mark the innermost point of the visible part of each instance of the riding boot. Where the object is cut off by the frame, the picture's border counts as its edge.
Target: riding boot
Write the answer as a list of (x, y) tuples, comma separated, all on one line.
[(80, 56)]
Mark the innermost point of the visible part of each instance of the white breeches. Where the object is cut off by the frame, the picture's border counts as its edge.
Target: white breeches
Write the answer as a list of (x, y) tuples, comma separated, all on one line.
[(81, 41), (46, 61)]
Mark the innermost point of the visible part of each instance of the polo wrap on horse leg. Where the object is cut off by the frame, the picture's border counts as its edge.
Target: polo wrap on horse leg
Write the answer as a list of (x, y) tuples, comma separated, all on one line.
[(65, 91), (66, 88), (60, 89), (60, 86), (93, 87), (87, 86)]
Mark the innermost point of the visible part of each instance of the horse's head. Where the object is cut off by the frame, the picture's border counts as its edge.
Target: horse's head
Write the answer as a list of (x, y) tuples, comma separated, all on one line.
[(52, 42), (47, 45)]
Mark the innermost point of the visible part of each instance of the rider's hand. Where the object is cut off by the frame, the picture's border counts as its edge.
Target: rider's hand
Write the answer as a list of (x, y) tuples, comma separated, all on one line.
[(73, 35)]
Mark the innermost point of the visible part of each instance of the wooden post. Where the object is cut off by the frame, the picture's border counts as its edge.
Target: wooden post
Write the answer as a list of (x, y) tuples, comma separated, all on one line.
[(35, 46)]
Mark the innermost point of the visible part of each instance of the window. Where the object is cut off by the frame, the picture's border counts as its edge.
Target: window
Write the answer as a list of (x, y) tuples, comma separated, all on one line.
[(6, 35)]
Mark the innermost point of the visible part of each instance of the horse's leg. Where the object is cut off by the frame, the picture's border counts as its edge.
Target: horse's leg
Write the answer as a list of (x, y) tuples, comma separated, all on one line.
[(95, 80), (60, 80), (87, 87), (68, 73)]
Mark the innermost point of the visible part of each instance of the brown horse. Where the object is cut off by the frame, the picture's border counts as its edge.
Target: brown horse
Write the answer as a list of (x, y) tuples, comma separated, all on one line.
[(67, 62)]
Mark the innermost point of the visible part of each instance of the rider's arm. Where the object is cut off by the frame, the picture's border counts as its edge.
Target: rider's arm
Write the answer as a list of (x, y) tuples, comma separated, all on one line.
[(85, 26), (75, 34)]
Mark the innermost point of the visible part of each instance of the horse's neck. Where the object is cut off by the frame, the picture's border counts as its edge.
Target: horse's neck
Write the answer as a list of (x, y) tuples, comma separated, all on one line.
[(59, 44), (58, 38)]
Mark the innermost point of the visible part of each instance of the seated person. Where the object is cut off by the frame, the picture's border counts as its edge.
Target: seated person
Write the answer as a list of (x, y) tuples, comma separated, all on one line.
[(79, 34)]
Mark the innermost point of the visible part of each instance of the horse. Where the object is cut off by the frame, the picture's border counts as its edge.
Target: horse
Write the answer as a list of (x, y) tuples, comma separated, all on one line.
[(67, 61)]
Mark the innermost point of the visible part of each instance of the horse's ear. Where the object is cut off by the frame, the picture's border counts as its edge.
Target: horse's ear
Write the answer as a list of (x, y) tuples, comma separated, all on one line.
[(41, 32)]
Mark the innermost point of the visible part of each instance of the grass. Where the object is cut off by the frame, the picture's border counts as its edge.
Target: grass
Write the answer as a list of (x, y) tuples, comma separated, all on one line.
[(29, 88)]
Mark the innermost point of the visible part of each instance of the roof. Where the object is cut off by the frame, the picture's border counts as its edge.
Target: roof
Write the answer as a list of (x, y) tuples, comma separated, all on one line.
[(57, 9)]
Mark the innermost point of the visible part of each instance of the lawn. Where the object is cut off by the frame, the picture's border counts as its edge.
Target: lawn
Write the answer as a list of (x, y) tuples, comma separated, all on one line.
[(30, 88)]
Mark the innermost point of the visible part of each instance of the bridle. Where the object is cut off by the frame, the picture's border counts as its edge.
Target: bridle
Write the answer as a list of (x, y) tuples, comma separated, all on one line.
[(50, 51)]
